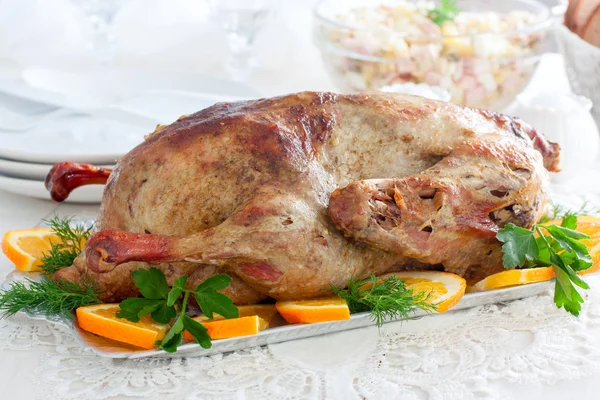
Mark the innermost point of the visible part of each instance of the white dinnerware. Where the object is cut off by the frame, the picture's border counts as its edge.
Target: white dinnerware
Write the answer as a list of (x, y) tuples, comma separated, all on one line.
[(565, 119), (25, 170), (80, 139), (36, 189)]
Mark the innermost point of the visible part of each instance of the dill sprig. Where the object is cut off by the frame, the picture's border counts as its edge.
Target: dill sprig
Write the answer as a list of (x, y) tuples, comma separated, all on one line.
[(386, 299), (47, 297), (559, 212), (72, 239)]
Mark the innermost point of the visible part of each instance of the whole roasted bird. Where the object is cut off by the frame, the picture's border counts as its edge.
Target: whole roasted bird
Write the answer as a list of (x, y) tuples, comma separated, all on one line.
[(293, 194)]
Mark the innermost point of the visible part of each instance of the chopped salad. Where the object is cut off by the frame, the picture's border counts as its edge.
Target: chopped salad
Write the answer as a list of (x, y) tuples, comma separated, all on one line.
[(479, 57)]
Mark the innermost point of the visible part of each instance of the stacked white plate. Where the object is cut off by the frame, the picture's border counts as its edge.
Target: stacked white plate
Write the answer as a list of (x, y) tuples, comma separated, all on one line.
[(27, 157), (90, 117)]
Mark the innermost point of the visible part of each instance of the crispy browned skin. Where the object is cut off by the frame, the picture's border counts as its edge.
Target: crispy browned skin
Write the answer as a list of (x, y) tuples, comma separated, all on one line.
[(448, 214), (65, 177), (244, 188)]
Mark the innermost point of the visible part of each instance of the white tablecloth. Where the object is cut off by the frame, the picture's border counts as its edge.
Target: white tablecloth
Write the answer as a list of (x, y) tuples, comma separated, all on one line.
[(523, 350)]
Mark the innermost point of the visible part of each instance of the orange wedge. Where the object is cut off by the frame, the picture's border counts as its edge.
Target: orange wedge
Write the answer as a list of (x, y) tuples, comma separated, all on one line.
[(317, 310), (225, 328), (590, 225), (25, 247), (514, 277), (586, 224), (102, 320), (267, 312), (445, 289)]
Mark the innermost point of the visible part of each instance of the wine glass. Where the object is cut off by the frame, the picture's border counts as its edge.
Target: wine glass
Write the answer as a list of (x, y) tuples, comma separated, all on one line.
[(101, 14), (241, 20)]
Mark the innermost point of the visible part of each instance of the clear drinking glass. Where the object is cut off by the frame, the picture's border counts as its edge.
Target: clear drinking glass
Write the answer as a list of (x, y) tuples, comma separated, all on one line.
[(241, 20), (101, 14)]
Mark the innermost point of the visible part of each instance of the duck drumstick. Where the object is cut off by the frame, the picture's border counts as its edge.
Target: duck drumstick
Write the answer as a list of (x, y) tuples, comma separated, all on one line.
[(65, 177)]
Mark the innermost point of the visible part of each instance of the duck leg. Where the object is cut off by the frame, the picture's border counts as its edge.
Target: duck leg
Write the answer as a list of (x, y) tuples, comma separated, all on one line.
[(65, 177), (281, 245), (448, 214)]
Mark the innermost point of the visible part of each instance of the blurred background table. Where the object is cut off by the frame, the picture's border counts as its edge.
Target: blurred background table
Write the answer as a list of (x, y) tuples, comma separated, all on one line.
[(161, 35), (524, 350)]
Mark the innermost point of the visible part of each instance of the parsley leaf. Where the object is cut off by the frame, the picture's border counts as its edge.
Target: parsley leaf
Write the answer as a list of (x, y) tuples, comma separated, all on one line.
[(569, 221), (447, 11), (163, 304), (135, 308), (176, 290), (151, 283), (199, 332), (173, 337), (519, 245), (569, 241), (211, 301), (216, 282), (550, 245), (164, 313)]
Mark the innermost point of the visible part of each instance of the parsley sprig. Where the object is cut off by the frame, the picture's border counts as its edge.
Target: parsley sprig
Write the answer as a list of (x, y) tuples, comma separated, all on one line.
[(386, 299), (72, 238), (551, 245), (447, 11), (164, 305)]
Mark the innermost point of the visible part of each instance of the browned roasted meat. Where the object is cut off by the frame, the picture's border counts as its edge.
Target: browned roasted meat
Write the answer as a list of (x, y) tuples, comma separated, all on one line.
[(246, 189)]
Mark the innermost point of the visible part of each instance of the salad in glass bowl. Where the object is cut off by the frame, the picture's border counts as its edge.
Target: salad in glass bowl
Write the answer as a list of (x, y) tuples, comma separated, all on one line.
[(482, 52)]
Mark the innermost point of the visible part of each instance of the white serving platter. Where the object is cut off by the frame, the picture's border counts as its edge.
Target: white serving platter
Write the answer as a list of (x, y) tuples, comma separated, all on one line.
[(112, 349)]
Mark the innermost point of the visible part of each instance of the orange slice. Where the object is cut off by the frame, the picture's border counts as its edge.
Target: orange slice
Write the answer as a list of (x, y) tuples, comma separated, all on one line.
[(445, 289), (317, 310), (102, 320), (514, 277), (267, 312), (589, 225), (25, 247), (225, 328)]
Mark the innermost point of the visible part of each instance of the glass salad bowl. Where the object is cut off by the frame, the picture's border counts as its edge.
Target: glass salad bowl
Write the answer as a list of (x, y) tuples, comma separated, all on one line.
[(483, 52)]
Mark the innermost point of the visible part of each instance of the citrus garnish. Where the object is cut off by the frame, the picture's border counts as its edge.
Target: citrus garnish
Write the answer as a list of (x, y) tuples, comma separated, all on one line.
[(586, 224), (267, 312), (102, 320), (514, 277), (221, 328), (311, 311), (590, 225), (26, 247), (443, 288)]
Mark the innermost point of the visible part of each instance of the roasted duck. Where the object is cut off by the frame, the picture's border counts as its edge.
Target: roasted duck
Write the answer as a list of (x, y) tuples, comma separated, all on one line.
[(293, 194)]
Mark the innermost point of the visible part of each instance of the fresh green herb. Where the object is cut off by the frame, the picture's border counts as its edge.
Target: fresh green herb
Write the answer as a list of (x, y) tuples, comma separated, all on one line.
[(556, 246), (164, 305), (386, 299), (447, 11), (559, 212), (63, 253), (47, 297)]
